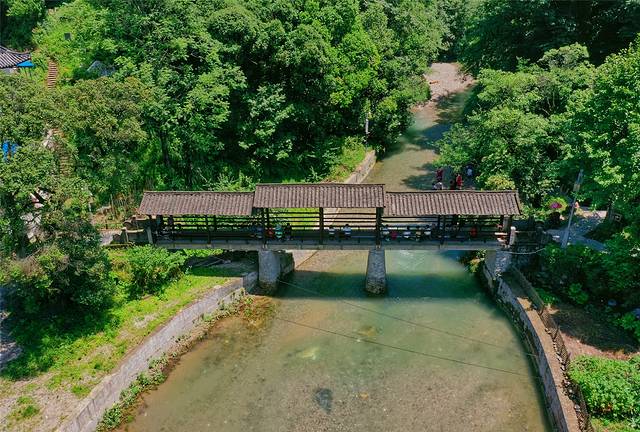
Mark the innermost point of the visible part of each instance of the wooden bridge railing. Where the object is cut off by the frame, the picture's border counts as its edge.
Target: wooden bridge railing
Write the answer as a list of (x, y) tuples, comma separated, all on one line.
[(308, 225)]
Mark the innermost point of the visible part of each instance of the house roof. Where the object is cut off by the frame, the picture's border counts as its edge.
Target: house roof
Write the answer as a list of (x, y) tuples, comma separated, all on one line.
[(10, 58), (452, 202), (197, 203), (328, 195)]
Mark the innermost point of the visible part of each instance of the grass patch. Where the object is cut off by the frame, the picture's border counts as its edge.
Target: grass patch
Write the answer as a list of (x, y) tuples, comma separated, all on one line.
[(605, 425), (352, 155), (79, 350), (25, 409)]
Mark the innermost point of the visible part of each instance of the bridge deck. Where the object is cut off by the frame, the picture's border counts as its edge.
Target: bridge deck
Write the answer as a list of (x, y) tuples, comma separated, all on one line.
[(361, 240)]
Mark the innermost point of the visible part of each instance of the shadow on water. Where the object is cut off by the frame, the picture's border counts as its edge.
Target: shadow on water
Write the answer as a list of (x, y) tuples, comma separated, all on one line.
[(313, 284)]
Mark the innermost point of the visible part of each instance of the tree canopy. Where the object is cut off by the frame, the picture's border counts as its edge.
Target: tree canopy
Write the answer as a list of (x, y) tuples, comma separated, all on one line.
[(500, 32)]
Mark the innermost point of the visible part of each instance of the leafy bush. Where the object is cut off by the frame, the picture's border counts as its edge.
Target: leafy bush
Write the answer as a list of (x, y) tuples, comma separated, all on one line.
[(611, 387), (151, 268), (577, 294), (499, 182), (629, 322), (561, 269)]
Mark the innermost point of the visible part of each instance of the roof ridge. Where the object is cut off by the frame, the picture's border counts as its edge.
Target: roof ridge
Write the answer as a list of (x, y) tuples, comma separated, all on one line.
[(454, 191), (321, 184)]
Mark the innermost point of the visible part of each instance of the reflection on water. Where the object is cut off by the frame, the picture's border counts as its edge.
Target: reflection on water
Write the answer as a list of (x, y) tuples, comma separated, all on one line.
[(434, 354)]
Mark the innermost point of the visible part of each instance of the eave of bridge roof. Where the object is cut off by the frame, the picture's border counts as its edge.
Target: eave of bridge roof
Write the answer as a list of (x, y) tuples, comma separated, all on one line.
[(327, 195), (197, 203), (453, 202)]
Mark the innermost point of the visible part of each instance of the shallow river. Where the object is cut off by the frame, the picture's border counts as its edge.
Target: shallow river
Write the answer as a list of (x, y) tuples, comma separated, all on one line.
[(435, 354)]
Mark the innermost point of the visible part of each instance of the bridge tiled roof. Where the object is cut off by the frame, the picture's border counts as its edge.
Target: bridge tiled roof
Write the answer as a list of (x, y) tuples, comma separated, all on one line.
[(197, 203), (452, 202), (332, 195), (328, 195), (10, 58)]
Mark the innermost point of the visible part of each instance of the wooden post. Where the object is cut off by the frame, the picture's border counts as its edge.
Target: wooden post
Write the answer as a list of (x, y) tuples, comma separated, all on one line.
[(508, 228), (441, 225), (149, 233), (206, 222), (321, 216), (378, 226), (264, 226)]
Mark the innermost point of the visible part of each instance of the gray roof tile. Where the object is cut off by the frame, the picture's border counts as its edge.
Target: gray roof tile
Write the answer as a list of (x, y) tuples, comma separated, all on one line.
[(448, 202), (328, 195), (197, 203)]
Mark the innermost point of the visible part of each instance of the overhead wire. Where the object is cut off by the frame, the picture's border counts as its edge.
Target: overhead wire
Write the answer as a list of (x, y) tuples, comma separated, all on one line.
[(369, 341), (431, 328)]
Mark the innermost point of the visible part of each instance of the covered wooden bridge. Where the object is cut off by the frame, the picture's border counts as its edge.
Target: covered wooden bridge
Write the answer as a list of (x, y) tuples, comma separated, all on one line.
[(330, 216)]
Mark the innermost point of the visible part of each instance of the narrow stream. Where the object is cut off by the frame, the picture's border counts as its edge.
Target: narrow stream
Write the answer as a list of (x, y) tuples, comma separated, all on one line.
[(435, 354)]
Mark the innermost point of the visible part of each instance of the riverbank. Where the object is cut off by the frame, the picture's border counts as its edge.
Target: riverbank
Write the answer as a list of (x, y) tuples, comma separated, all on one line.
[(59, 366)]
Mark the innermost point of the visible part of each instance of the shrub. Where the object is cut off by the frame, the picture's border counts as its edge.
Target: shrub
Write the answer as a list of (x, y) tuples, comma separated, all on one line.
[(499, 182), (630, 323), (574, 272), (53, 276), (152, 268), (577, 294), (611, 387)]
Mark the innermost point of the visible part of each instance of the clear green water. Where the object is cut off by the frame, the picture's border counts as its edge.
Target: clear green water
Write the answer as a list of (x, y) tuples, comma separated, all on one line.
[(451, 362)]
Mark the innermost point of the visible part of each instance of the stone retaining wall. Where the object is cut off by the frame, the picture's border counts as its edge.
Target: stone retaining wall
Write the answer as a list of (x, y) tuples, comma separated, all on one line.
[(88, 413), (559, 406)]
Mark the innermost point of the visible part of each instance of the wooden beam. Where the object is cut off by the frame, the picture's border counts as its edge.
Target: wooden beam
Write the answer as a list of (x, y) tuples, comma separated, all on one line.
[(321, 217), (206, 222), (378, 225)]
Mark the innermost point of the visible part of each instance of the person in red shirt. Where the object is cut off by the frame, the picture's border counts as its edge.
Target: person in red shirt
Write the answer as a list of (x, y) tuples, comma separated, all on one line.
[(459, 181)]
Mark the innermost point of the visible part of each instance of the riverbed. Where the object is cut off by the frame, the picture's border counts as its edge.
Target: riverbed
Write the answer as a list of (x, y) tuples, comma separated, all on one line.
[(434, 354)]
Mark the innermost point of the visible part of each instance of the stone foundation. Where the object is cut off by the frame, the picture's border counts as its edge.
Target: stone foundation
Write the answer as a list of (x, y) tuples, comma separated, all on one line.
[(497, 262)]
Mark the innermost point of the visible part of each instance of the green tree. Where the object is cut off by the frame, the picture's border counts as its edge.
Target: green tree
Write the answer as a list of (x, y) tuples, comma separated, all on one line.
[(514, 123), (500, 32), (602, 133)]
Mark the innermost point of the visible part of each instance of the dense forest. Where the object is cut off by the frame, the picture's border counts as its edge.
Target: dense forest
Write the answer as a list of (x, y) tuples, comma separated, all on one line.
[(222, 94), (214, 94)]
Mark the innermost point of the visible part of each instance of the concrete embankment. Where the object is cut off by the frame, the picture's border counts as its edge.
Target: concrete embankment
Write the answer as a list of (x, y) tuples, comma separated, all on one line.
[(164, 340), (512, 297)]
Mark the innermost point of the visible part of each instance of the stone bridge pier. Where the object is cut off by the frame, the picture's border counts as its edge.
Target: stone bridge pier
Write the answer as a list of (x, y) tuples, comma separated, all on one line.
[(376, 282), (272, 266)]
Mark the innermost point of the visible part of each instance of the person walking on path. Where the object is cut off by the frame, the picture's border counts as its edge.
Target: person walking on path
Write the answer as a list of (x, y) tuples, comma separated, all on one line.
[(439, 174), (459, 181)]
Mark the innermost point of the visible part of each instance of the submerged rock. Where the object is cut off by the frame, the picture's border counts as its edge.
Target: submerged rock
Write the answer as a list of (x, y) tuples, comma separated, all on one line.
[(310, 353), (324, 398), (368, 331)]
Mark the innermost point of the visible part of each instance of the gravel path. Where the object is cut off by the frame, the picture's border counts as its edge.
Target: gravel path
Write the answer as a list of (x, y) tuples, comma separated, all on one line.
[(583, 223), (446, 79)]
